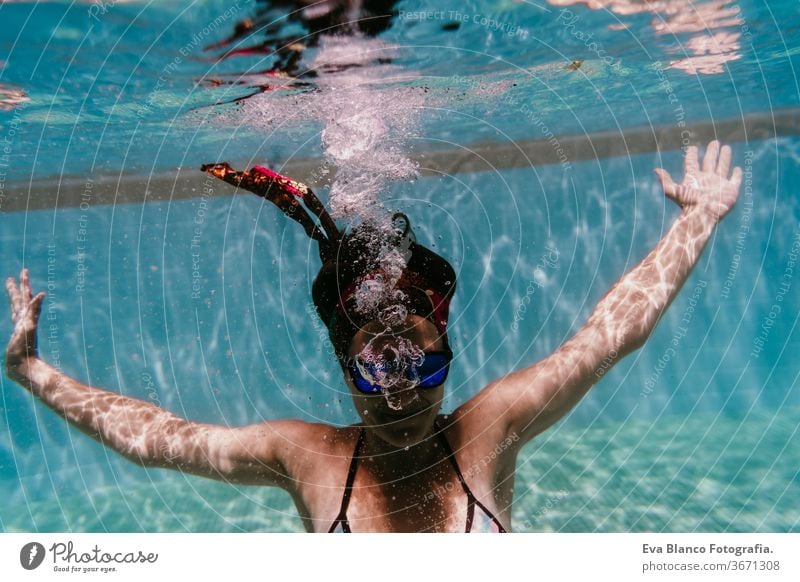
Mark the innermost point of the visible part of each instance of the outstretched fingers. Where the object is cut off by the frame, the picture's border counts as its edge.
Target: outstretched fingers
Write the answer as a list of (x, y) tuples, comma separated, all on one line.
[(36, 306), (20, 298), (667, 183), (711, 157), (724, 162), (710, 188), (692, 164), (14, 297), (676, 192), (25, 286), (736, 177)]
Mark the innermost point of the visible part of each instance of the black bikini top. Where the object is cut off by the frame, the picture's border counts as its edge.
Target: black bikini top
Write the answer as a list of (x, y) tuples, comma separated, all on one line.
[(472, 501)]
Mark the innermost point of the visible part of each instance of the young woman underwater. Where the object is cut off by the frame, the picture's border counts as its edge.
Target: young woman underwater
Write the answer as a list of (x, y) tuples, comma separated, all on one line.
[(406, 467)]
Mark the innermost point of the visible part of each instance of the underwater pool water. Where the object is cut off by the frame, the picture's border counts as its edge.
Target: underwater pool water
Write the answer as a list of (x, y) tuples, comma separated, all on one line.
[(200, 302)]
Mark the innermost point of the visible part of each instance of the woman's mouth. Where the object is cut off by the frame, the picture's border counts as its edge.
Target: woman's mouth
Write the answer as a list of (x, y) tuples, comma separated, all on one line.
[(402, 413)]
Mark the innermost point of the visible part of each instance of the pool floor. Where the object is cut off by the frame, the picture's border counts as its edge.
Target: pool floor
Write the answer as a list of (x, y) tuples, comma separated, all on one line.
[(705, 473)]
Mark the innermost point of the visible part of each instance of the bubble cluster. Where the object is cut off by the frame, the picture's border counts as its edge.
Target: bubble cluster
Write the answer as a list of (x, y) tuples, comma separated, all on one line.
[(366, 128), (366, 125), (390, 365)]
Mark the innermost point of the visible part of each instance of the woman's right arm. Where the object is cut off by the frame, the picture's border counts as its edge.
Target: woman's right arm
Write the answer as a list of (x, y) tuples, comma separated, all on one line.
[(143, 433)]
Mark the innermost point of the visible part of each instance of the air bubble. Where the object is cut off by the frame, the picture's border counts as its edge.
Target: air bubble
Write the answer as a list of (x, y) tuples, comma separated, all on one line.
[(366, 132)]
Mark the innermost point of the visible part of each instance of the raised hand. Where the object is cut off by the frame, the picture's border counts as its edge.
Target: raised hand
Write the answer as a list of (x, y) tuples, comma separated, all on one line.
[(709, 189), (25, 312)]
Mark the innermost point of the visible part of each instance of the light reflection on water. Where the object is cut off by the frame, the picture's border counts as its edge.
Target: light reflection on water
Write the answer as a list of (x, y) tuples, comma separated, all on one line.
[(709, 31)]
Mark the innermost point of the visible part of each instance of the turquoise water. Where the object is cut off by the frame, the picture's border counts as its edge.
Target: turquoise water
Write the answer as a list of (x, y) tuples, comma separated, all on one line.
[(109, 91), (702, 440), (716, 473)]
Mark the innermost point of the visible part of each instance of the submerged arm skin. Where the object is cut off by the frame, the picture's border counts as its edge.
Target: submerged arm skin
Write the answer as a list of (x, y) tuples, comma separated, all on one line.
[(528, 401), (140, 431)]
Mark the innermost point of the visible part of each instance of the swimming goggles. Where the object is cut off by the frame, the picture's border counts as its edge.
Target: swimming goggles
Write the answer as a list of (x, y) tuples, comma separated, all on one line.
[(430, 373)]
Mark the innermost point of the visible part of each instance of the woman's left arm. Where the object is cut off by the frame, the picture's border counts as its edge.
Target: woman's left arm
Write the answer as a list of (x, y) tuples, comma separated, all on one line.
[(528, 401)]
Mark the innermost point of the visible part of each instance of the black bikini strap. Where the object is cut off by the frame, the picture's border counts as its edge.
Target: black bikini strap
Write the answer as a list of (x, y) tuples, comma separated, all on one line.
[(341, 518), (471, 499), (451, 456)]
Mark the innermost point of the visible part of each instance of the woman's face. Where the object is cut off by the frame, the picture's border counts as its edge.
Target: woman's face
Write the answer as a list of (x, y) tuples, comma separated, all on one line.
[(402, 414)]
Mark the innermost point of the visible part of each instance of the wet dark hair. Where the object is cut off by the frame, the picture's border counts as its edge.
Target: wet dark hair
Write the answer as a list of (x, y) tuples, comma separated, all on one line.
[(426, 284)]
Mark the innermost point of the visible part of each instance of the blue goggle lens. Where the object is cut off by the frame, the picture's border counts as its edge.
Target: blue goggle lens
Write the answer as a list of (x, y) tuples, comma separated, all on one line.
[(431, 373)]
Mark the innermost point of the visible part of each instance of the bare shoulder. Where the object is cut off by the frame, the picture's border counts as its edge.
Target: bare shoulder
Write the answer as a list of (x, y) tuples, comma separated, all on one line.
[(288, 438), (307, 450), (278, 452)]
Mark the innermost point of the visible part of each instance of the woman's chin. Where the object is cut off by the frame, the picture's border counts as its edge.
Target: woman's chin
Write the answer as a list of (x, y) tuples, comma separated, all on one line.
[(405, 433)]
